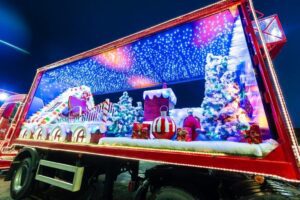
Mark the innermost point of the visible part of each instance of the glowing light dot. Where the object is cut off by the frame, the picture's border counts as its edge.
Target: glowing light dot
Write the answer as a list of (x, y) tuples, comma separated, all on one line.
[(3, 96)]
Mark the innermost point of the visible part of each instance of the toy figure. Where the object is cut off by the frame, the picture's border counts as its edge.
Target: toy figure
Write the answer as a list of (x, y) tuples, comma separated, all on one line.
[(193, 123)]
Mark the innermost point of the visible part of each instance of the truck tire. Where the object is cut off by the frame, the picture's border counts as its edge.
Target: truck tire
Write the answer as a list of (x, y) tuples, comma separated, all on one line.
[(171, 193), (22, 180)]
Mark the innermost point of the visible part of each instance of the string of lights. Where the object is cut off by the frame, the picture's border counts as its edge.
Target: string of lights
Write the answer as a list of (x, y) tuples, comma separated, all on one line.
[(175, 55)]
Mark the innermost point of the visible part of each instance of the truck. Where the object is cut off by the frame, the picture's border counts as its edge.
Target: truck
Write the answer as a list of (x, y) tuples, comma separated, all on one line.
[(198, 95), (8, 111)]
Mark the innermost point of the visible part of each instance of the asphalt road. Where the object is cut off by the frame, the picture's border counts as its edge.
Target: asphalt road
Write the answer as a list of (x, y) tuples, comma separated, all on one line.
[(4, 190), (120, 191)]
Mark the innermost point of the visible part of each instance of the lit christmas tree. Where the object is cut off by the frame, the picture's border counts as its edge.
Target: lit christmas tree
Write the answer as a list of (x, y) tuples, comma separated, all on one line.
[(123, 117), (223, 116)]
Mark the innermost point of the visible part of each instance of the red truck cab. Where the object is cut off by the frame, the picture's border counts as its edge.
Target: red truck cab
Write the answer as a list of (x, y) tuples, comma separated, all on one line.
[(9, 113)]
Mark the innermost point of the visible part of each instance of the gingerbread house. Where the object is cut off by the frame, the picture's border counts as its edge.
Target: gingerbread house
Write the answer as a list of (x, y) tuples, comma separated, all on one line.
[(155, 99)]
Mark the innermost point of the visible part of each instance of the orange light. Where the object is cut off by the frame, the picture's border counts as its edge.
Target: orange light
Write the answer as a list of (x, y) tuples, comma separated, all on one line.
[(118, 59), (259, 179)]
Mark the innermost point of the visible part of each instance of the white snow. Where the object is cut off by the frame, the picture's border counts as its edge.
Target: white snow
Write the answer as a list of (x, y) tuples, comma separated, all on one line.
[(165, 93), (238, 52), (226, 147), (179, 114)]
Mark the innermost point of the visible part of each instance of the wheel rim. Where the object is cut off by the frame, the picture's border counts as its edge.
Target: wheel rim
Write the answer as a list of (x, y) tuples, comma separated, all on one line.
[(19, 178)]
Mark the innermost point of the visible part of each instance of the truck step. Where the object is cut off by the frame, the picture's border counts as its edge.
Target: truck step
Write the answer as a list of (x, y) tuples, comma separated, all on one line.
[(71, 186)]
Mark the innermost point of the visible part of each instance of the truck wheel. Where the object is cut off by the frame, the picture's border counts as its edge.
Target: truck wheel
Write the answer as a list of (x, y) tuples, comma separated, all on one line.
[(171, 193), (22, 180)]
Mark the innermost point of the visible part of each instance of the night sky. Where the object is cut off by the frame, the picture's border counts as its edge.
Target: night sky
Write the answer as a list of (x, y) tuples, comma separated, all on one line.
[(56, 29)]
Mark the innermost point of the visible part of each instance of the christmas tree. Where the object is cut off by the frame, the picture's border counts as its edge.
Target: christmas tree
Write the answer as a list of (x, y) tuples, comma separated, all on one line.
[(123, 117), (223, 114), (139, 112)]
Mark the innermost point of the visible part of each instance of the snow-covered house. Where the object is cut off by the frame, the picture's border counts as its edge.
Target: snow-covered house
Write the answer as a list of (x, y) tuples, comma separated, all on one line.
[(155, 99)]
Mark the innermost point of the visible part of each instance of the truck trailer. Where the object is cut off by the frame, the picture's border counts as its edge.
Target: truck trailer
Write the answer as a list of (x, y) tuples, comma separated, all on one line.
[(198, 95)]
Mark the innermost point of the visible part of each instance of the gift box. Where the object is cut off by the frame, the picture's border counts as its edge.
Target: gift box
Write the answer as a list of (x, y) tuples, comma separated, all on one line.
[(95, 137), (98, 132), (69, 136), (141, 131), (253, 135), (184, 134)]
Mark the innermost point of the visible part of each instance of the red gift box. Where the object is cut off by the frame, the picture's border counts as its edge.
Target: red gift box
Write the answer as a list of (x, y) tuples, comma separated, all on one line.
[(253, 135), (69, 136), (184, 134), (141, 131), (95, 137)]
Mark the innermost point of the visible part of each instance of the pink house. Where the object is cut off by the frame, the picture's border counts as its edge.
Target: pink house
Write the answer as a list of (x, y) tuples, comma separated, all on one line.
[(155, 99)]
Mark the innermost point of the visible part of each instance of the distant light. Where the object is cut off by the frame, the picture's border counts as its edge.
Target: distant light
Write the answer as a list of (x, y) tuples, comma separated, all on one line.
[(14, 47), (3, 96)]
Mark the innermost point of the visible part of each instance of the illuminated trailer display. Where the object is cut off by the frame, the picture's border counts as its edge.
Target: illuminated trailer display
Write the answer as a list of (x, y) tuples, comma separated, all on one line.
[(194, 91), (214, 58)]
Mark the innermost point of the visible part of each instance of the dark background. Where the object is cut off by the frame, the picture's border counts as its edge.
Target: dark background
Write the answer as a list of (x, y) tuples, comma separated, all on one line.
[(55, 29), (182, 90)]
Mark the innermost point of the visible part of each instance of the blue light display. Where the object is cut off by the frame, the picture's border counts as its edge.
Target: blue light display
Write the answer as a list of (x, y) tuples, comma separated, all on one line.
[(211, 53), (174, 55)]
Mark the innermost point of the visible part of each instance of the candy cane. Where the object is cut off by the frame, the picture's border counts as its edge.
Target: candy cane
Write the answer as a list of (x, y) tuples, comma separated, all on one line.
[(105, 110)]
